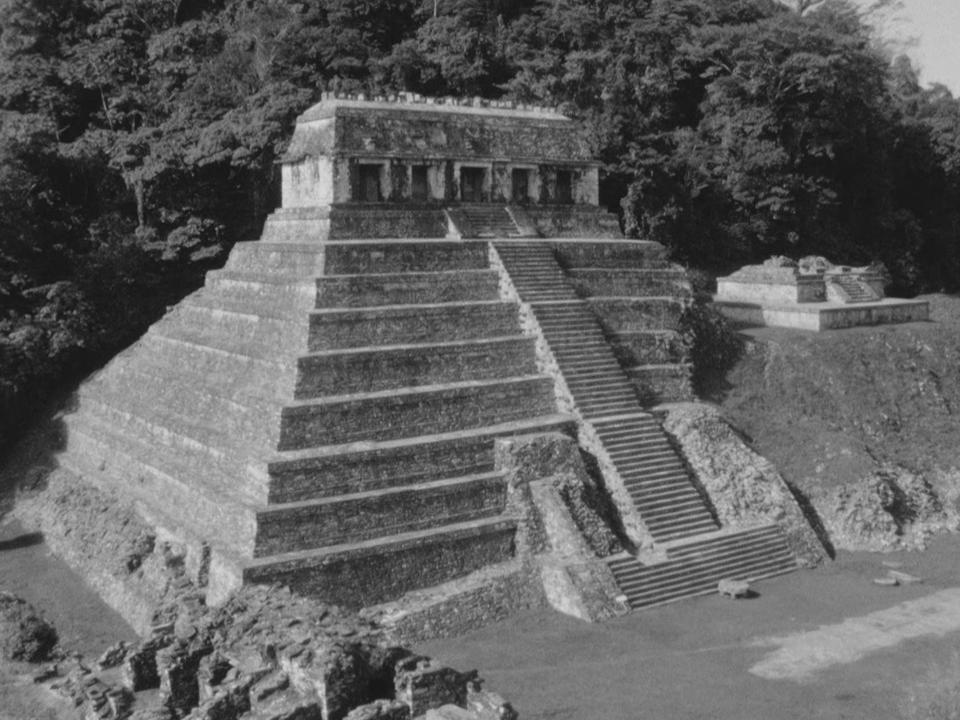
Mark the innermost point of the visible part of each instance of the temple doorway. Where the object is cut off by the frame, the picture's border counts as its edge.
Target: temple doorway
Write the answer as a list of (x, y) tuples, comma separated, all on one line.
[(471, 183)]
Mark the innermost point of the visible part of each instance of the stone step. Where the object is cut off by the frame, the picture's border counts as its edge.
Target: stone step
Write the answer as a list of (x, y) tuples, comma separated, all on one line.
[(582, 348), (269, 294), (594, 411), (702, 578), (586, 399), (356, 257), (409, 324), (641, 467), (198, 495), (363, 466), (623, 427), (304, 525), (640, 445), (569, 325), (638, 477), (410, 288), (292, 260), (585, 373), (206, 414), (705, 582), (599, 384), (629, 451), (694, 548), (655, 497), (654, 511), (685, 525), (225, 370), (583, 376), (712, 548), (748, 564), (190, 444), (614, 436), (577, 368), (374, 571), (386, 367), (204, 319), (413, 411)]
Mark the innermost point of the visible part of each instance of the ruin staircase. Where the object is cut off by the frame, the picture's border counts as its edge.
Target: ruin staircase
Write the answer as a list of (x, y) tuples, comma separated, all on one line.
[(853, 290), (327, 414), (660, 486), (487, 220)]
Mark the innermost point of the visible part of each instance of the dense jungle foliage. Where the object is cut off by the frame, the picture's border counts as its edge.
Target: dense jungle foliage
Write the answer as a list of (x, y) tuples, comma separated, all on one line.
[(138, 138)]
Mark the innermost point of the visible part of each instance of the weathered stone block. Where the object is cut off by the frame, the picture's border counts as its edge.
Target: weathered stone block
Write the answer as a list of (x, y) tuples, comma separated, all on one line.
[(422, 684)]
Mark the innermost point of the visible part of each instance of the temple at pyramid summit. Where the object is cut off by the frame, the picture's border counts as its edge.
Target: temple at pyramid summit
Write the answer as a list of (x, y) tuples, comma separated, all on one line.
[(426, 388)]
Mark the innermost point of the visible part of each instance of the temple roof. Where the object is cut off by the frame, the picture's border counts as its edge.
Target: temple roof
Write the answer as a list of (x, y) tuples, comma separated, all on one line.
[(424, 128)]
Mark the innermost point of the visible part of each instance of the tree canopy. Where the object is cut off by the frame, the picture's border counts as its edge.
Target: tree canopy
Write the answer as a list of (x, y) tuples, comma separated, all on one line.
[(138, 138)]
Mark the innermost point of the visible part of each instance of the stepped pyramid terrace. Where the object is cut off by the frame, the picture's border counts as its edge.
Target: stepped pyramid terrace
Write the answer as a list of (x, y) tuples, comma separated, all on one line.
[(425, 388)]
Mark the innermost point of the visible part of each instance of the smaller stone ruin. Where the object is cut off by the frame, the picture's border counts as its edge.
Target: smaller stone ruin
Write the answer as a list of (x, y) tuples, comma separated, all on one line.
[(812, 294)]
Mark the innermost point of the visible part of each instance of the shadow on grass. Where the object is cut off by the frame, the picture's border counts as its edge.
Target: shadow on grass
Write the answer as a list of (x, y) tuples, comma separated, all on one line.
[(21, 541)]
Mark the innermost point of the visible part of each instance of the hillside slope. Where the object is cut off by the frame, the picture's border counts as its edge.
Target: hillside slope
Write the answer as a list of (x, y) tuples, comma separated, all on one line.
[(864, 422)]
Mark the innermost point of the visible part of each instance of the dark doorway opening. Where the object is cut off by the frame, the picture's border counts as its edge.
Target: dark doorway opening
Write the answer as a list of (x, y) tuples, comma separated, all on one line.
[(471, 184), (564, 187), (419, 184), (521, 185), (369, 184)]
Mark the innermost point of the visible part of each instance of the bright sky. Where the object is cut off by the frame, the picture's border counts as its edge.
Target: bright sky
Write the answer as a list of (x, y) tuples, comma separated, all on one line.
[(934, 26)]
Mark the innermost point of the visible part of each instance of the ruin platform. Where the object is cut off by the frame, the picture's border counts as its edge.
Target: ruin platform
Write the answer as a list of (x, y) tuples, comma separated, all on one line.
[(819, 316)]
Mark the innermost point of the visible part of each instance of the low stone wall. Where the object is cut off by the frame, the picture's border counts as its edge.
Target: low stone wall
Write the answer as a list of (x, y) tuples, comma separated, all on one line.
[(401, 325), (323, 476), (358, 257), (381, 220), (364, 575), (386, 416), (288, 528), (368, 370), (406, 289)]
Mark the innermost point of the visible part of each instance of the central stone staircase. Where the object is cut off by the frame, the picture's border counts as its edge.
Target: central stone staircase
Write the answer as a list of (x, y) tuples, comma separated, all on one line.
[(697, 552), (327, 413)]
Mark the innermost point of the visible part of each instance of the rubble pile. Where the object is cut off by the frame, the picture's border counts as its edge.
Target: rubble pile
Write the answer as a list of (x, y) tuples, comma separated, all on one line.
[(268, 654)]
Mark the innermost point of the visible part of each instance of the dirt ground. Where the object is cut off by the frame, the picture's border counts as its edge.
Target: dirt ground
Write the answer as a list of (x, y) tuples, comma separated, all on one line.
[(83, 622), (683, 661), (692, 660)]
